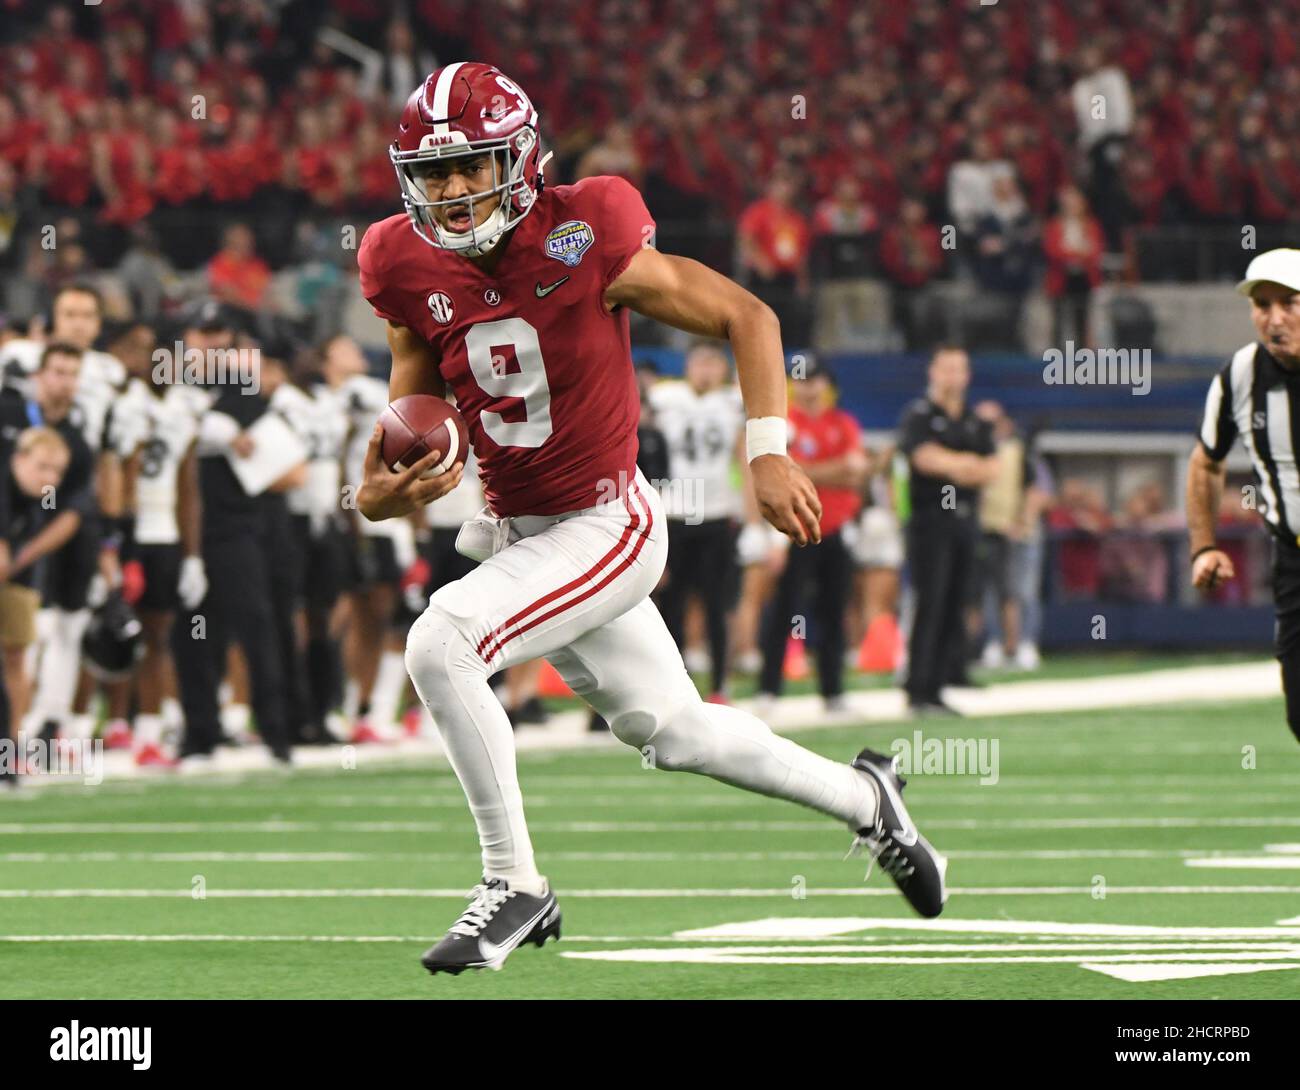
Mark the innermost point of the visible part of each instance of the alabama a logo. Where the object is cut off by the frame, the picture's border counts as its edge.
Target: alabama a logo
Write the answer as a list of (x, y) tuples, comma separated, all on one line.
[(569, 242), (440, 307)]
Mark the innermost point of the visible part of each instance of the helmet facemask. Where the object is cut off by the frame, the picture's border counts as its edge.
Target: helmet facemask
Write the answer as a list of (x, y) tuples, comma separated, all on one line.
[(509, 159)]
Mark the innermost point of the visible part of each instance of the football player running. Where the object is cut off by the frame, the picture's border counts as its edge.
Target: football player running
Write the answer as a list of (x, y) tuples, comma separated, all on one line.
[(514, 296)]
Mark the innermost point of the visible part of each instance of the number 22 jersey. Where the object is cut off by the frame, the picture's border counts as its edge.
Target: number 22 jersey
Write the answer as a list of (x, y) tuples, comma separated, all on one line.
[(542, 372)]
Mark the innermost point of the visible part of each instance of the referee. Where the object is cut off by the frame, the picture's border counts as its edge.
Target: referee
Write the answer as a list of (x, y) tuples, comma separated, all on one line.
[(1257, 397)]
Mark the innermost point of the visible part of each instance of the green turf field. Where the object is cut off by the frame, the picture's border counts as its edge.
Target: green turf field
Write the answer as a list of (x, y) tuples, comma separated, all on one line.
[(1086, 803)]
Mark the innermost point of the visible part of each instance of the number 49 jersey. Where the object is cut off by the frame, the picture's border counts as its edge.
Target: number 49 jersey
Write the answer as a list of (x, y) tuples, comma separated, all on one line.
[(162, 427), (541, 371)]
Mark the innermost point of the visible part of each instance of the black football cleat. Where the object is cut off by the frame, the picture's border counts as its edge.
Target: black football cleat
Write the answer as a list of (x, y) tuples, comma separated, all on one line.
[(902, 852), (497, 920)]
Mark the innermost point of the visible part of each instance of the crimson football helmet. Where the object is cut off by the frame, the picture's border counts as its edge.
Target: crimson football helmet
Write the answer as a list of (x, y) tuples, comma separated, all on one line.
[(469, 108)]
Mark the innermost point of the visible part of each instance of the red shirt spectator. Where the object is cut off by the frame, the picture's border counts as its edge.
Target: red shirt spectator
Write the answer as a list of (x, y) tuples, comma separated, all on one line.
[(1073, 243), (60, 163), (910, 251), (827, 435), (774, 237), (1080, 509), (1213, 181), (237, 275)]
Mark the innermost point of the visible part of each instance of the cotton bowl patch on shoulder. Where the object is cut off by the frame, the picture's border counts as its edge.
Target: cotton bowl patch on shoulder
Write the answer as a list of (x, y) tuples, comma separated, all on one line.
[(570, 241)]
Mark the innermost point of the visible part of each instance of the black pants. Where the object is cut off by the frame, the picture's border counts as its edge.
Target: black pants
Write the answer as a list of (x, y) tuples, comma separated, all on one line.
[(324, 562), (1071, 309), (828, 570), (941, 561), (702, 561), (1286, 633), (238, 606), (286, 559)]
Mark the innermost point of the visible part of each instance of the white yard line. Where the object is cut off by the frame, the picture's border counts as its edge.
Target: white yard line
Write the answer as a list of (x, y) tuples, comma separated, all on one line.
[(211, 892), (1209, 854), (992, 795), (53, 828), (567, 731)]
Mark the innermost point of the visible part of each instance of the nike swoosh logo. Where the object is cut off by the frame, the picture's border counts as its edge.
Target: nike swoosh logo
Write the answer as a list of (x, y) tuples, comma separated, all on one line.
[(907, 837), (490, 951), (543, 292)]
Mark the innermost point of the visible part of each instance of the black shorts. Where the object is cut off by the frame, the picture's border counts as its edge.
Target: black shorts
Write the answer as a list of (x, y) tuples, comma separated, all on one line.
[(323, 559), (69, 571), (991, 571), (374, 560), (446, 565), (162, 573), (702, 558)]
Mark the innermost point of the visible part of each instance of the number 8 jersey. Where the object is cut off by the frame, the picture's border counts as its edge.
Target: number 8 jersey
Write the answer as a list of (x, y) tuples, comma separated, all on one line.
[(542, 372)]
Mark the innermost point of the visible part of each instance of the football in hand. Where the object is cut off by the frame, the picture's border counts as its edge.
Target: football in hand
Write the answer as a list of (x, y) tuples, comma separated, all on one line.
[(421, 424)]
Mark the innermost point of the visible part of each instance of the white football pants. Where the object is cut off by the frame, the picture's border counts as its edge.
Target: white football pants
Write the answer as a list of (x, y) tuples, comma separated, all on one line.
[(574, 589)]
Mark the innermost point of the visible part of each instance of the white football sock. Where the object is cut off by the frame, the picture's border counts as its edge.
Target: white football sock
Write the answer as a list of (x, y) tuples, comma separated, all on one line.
[(78, 728), (173, 715), (451, 680), (148, 730), (732, 746), (390, 682), (351, 700), (60, 667), (235, 721)]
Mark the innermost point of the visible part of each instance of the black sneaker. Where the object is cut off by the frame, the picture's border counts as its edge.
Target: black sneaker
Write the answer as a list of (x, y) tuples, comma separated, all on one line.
[(902, 852), (498, 919)]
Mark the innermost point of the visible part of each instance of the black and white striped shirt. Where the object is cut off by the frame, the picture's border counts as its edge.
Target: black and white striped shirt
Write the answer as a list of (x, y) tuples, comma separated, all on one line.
[(1258, 400)]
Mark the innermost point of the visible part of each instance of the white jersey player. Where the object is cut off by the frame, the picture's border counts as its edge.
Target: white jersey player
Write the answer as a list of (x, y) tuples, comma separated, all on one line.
[(381, 554), (154, 429), (75, 321), (320, 419), (702, 420)]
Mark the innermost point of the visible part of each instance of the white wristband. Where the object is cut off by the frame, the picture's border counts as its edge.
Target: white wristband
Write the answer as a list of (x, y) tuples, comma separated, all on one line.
[(764, 435)]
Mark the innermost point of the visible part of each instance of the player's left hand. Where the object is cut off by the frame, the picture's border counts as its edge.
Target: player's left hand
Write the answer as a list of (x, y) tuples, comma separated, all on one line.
[(787, 498)]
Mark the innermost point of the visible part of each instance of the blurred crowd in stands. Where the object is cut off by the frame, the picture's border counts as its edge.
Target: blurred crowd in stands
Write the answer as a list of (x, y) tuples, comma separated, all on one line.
[(1011, 144)]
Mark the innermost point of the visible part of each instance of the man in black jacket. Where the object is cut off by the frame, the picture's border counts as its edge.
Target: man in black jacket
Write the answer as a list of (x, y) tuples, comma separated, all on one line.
[(237, 556), (32, 466)]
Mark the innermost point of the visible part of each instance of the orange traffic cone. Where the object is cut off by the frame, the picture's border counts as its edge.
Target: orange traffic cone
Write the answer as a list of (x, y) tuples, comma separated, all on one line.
[(549, 682), (882, 646)]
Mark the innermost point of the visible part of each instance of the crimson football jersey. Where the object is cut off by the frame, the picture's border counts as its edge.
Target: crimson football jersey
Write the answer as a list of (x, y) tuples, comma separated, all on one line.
[(541, 371)]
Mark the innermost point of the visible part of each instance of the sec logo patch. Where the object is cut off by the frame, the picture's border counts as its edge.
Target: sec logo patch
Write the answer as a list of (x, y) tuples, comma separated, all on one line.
[(570, 241), (440, 307)]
